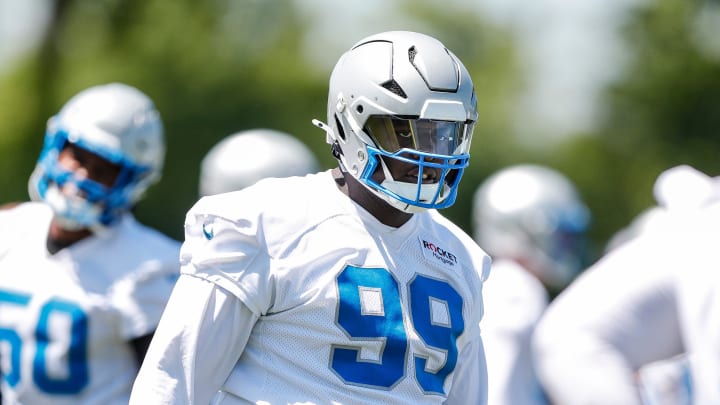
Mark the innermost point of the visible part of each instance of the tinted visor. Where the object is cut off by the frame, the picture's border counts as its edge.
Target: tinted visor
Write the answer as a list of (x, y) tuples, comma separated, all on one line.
[(392, 134)]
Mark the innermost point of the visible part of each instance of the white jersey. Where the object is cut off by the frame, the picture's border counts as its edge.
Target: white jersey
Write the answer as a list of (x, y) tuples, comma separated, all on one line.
[(666, 382), (66, 319), (348, 310), (656, 297), (699, 305), (514, 301)]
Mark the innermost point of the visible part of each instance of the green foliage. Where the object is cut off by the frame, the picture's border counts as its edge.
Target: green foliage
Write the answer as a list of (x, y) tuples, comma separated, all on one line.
[(666, 111), (221, 66)]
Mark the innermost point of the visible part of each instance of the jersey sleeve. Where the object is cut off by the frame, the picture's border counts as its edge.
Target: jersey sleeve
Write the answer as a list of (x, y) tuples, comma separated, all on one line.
[(139, 266), (470, 382), (200, 338), (229, 253), (514, 301), (596, 335), (15, 222), (141, 301)]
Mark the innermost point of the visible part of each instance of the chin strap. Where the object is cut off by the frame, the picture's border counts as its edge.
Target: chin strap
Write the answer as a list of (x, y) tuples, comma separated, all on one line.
[(329, 138), (336, 151)]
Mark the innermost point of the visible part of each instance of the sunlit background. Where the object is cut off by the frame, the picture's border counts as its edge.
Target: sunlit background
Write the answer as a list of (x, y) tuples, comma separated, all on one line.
[(610, 92)]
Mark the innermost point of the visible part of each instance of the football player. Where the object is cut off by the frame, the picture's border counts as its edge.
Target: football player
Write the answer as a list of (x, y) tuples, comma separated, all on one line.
[(532, 221), (640, 325), (241, 159), (348, 285), (82, 283)]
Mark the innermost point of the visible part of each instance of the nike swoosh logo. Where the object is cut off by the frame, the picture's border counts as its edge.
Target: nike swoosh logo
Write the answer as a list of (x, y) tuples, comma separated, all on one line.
[(208, 231)]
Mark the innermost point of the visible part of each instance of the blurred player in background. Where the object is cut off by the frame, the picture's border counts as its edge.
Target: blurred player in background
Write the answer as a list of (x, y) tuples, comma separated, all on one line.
[(532, 222), (676, 190), (241, 159), (344, 286), (680, 189), (641, 325), (82, 283)]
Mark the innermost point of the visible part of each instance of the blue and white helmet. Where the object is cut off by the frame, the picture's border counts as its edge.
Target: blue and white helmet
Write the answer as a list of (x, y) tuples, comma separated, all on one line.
[(534, 215), (243, 158), (402, 95), (116, 122)]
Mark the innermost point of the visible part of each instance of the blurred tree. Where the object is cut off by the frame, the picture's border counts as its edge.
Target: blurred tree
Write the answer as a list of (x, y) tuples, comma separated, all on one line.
[(664, 111)]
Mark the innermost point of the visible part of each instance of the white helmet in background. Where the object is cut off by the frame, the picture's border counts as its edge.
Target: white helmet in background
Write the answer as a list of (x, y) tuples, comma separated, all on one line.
[(402, 95), (116, 122), (533, 215), (243, 158)]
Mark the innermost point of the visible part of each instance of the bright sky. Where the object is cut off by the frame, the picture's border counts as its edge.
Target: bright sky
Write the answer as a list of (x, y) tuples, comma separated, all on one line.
[(339, 24), (571, 47), (21, 25)]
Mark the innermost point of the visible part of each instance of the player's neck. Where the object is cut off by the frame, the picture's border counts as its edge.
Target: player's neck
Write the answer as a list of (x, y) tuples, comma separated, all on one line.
[(376, 206), (59, 238)]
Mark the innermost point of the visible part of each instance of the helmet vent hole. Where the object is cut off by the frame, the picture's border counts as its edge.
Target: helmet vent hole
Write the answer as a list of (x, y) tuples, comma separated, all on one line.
[(393, 86), (341, 130), (359, 109)]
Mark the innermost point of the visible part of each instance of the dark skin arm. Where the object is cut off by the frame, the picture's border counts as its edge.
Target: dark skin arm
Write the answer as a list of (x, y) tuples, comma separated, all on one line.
[(140, 347), (9, 205)]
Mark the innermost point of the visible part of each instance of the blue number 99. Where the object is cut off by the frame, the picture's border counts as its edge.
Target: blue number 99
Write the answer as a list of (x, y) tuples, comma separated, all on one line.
[(371, 309)]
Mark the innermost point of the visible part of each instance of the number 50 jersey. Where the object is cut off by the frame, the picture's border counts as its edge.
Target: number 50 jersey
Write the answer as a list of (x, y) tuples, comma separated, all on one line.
[(66, 319)]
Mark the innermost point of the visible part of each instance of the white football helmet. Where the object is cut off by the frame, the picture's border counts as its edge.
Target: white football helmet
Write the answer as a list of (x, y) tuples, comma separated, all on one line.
[(116, 122), (402, 95), (534, 215), (245, 157)]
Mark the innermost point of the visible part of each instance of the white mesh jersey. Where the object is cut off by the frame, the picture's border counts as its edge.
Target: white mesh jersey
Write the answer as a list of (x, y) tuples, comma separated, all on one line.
[(653, 298), (514, 301), (65, 319), (348, 310)]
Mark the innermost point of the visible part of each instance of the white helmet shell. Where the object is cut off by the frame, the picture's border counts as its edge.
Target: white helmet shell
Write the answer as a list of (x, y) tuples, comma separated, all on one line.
[(534, 215), (117, 118), (245, 157), (114, 121), (406, 75)]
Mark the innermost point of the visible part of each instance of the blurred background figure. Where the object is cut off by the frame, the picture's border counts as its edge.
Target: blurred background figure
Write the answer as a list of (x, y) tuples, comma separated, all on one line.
[(82, 282), (534, 216), (637, 326), (648, 219), (243, 158), (532, 222), (680, 189)]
